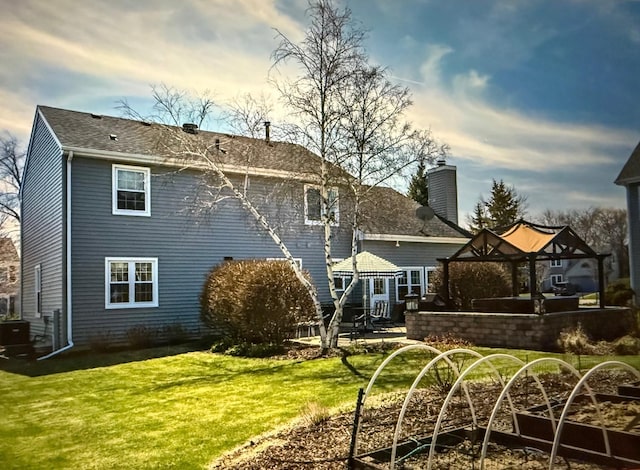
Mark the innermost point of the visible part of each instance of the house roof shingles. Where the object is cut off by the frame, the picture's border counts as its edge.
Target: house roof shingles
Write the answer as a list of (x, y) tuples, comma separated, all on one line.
[(88, 131), (386, 212)]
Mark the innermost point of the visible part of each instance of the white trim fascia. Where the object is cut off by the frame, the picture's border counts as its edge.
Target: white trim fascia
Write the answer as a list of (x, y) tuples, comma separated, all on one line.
[(628, 181), (153, 160), (413, 238)]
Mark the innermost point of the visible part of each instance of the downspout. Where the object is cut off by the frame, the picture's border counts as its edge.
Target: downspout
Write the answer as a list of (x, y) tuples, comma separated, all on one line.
[(67, 261)]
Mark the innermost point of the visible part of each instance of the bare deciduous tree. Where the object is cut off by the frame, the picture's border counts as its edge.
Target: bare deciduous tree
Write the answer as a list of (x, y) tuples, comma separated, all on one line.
[(604, 229), (247, 115), (352, 116), (12, 159), (188, 150)]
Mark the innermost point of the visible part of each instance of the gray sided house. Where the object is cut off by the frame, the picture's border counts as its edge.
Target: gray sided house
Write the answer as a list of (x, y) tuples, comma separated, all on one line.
[(114, 236), (629, 177)]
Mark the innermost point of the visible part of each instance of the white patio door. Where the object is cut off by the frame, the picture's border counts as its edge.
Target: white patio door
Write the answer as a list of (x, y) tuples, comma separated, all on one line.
[(378, 290)]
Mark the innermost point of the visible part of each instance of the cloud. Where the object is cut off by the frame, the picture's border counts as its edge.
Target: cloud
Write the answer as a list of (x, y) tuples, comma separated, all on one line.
[(68, 52), (478, 130)]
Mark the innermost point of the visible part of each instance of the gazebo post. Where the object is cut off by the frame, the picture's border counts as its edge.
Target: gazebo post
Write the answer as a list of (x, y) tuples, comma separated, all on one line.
[(601, 286), (533, 290), (515, 288)]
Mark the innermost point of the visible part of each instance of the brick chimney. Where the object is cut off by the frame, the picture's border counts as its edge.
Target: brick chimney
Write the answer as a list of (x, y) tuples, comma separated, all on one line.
[(443, 190)]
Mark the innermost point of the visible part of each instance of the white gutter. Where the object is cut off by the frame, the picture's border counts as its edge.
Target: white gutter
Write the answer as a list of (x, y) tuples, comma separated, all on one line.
[(68, 261), (413, 238)]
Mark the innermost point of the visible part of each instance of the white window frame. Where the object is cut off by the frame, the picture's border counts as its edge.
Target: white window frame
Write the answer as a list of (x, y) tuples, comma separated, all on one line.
[(336, 203), (147, 190), (555, 278), (555, 263), (407, 270), (345, 280), (38, 289), (131, 282)]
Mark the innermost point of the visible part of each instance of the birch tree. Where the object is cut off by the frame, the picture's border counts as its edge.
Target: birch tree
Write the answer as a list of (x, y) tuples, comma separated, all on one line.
[(193, 151), (351, 115)]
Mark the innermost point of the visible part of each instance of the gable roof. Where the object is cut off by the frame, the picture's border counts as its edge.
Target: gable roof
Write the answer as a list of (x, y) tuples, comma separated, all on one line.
[(387, 212), (630, 172), (90, 133)]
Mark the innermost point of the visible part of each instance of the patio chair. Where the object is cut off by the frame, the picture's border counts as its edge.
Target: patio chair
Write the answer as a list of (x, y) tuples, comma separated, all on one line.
[(380, 312)]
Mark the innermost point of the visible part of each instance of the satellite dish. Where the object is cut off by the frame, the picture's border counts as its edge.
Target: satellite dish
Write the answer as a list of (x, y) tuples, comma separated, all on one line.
[(424, 213)]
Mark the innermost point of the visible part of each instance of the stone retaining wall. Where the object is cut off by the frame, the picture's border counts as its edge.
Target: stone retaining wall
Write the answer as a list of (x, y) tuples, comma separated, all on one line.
[(520, 331)]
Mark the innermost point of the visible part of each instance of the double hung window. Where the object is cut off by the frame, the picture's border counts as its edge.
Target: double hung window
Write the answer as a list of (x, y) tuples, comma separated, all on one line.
[(131, 282), (131, 190), (314, 209)]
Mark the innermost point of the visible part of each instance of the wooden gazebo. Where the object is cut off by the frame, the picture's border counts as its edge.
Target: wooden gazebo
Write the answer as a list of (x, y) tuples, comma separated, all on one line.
[(525, 242)]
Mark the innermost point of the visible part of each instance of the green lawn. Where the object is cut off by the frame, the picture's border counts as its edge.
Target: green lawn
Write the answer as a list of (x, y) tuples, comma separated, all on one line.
[(133, 410)]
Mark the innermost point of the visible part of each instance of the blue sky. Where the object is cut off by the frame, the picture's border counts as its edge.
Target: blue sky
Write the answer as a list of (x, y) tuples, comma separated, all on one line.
[(540, 93)]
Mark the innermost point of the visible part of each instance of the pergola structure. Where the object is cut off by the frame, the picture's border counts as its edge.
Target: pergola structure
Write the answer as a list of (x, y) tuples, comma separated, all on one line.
[(525, 242)]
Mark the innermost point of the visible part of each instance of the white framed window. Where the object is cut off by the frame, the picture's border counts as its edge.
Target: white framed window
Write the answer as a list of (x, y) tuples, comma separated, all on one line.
[(131, 282), (341, 282), (411, 280), (38, 289), (555, 279), (131, 190), (555, 263), (314, 209)]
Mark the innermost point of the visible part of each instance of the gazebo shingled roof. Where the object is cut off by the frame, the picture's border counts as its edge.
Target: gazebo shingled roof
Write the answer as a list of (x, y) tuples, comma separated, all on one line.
[(525, 242)]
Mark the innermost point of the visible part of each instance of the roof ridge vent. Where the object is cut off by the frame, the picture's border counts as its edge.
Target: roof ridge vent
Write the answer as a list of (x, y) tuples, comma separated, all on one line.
[(190, 128)]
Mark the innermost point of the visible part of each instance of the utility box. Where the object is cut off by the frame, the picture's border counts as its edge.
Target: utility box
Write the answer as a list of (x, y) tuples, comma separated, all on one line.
[(14, 339), (14, 332)]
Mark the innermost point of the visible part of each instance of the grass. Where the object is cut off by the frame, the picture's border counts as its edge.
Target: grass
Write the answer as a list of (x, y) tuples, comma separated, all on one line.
[(182, 410)]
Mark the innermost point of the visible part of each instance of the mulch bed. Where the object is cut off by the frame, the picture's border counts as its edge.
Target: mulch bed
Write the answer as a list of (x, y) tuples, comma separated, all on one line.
[(322, 442)]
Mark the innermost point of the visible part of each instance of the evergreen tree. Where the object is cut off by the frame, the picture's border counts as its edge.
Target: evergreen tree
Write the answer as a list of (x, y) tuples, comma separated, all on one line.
[(418, 187), (479, 219), (505, 205)]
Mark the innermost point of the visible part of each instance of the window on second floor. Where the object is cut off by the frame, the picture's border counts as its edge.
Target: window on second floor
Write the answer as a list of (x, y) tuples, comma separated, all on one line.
[(556, 263), (131, 190), (313, 207)]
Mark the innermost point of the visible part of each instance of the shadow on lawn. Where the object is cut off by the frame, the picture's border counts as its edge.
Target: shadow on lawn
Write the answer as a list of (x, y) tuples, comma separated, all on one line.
[(81, 360)]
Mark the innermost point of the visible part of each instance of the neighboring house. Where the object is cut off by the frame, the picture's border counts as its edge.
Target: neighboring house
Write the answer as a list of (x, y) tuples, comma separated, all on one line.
[(629, 177), (581, 273), (111, 240), (9, 276)]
